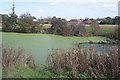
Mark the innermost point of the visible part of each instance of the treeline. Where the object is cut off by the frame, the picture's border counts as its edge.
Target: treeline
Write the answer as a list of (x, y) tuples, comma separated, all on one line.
[(26, 23), (62, 27), (23, 24), (109, 20)]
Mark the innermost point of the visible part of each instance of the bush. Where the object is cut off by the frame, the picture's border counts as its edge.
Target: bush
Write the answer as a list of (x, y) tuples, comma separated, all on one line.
[(91, 62), (9, 22), (58, 25), (95, 28), (16, 57), (79, 30), (18, 65)]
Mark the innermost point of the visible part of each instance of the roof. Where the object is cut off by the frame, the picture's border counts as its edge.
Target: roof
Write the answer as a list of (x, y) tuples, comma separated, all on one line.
[(34, 20)]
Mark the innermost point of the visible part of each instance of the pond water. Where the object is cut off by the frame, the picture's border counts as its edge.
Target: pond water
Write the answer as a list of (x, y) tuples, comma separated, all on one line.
[(101, 48), (40, 44)]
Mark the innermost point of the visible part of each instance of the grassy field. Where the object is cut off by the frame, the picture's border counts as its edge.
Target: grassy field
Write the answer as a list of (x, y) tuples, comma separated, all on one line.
[(104, 28), (47, 25)]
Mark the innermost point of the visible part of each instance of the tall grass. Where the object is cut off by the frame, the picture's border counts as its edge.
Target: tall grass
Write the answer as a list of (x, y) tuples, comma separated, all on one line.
[(76, 60), (16, 64), (16, 57)]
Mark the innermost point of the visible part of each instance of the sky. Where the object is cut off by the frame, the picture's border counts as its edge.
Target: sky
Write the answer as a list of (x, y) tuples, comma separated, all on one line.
[(69, 9)]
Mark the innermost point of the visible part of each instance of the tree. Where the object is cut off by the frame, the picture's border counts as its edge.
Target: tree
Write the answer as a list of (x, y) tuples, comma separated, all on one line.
[(117, 20), (9, 22), (26, 23), (80, 30), (58, 25), (109, 20), (95, 28), (68, 30), (27, 18)]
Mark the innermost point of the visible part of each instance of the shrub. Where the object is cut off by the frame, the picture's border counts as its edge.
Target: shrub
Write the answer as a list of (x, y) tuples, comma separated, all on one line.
[(95, 28), (77, 61), (16, 57), (9, 22), (79, 30), (58, 25)]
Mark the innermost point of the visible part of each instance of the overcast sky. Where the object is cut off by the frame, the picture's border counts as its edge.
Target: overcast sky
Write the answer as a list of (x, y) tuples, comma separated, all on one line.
[(63, 8)]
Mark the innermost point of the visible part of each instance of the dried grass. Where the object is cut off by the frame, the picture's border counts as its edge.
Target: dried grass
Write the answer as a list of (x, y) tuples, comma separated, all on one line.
[(15, 57), (90, 61)]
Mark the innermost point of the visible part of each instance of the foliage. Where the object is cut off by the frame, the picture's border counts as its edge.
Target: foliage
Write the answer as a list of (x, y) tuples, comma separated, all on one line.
[(77, 60), (67, 30), (20, 72), (58, 25), (95, 28), (9, 22), (112, 21), (17, 65), (117, 20), (26, 23), (62, 27), (80, 30), (16, 57), (26, 72)]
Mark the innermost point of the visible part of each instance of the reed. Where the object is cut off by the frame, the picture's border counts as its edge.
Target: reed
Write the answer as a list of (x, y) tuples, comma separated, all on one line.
[(77, 60), (16, 57)]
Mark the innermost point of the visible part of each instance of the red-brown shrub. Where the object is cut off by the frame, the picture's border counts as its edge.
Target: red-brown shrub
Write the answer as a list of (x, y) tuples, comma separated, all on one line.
[(78, 60)]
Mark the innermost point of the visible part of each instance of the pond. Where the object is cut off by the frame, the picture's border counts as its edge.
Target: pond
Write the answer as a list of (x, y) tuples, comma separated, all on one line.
[(40, 44), (101, 48)]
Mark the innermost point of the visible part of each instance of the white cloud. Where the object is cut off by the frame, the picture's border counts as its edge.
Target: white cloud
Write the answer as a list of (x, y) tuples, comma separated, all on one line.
[(109, 5), (94, 1), (112, 7), (40, 10), (77, 2), (52, 1)]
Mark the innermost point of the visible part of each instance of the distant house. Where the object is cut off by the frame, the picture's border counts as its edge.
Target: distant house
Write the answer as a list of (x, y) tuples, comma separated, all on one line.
[(99, 20), (73, 21), (87, 21), (35, 20), (46, 22), (80, 21)]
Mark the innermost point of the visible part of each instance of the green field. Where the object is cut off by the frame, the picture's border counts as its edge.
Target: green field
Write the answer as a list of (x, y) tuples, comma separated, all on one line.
[(47, 25), (104, 28)]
